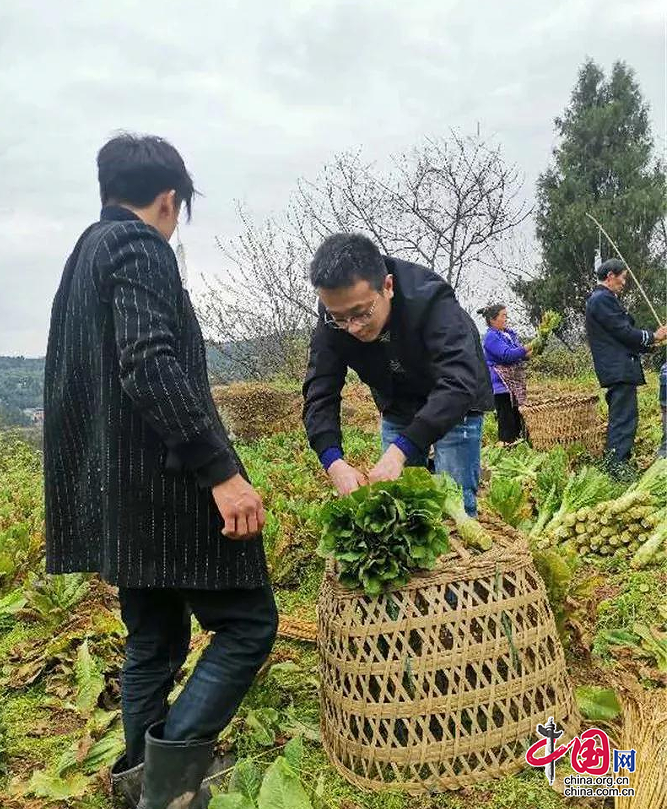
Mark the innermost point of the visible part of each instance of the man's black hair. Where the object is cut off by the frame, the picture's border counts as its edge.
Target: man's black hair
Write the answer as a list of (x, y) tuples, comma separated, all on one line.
[(134, 169), (611, 265), (491, 311), (345, 258)]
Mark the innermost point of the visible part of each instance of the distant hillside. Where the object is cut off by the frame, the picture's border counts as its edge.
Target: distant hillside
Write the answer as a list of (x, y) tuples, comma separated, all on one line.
[(22, 382), (226, 363), (21, 388)]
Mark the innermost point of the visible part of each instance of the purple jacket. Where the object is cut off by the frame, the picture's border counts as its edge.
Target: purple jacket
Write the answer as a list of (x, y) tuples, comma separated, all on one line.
[(501, 348)]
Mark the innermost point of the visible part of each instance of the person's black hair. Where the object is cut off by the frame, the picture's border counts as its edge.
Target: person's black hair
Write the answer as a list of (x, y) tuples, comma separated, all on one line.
[(491, 311), (134, 169), (611, 265), (345, 258)]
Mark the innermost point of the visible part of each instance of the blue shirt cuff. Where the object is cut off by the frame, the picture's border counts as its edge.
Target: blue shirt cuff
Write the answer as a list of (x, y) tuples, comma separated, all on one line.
[(330, 455), (406, 446)]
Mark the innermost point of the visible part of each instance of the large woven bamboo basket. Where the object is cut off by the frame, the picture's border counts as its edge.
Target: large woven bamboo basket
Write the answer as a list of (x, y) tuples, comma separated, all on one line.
[(440, 684), (563, 420)]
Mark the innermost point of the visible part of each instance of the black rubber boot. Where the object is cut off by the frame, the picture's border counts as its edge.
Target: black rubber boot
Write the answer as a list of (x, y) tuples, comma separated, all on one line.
[(173, 771), (126, 783)]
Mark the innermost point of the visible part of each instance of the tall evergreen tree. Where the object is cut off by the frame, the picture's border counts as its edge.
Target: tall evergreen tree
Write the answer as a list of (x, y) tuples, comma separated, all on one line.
[(604, 165)]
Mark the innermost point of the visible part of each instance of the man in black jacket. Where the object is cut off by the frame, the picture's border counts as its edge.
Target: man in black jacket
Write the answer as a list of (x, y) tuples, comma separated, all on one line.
[(142, 484), (615, 345), (400, 327)]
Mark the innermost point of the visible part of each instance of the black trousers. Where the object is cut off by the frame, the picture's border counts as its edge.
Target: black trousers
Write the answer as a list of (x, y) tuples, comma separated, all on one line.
[(623, 419), (510, 421), (244, 623)]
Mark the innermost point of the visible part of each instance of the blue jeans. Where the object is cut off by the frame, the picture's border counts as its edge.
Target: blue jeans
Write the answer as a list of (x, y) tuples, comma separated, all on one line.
[(244, 623), (457, 453)]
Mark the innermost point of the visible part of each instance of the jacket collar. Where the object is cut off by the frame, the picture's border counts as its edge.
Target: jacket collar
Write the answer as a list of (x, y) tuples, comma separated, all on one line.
[(117, 213)]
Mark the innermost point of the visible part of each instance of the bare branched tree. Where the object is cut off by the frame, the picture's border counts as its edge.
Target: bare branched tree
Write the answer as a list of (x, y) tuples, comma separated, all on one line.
[(259, 313), (444, 204), (447, 204)]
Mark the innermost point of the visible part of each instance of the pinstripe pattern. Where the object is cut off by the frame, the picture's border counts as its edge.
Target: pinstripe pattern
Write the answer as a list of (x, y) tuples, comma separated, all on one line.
[(130, 423)]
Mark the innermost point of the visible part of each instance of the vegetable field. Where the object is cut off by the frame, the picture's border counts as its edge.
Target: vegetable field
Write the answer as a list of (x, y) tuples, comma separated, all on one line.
[(599, 545)]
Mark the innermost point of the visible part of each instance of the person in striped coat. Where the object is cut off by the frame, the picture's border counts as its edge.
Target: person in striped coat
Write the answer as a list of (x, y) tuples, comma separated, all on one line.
[(142, 484)]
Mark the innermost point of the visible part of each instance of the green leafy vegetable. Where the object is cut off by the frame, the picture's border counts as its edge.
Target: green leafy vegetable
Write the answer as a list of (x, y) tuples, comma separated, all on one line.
[(231, 800), (550, 322), (557, 576), (471, 532), (552, 475), (518, 463), (645, 641), (506, 496), (654, 643), (646, 552), (587, 487), (89, 680), (293, 753), (246, 779), (282, 789), (48, 785), (381, 533), (597, 704)]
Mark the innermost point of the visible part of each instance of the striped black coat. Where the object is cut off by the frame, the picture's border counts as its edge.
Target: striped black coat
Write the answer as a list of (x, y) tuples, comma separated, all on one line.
[(132, 439)]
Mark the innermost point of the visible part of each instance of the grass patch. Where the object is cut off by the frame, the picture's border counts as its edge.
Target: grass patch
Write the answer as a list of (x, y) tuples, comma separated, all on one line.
[(640, 595)]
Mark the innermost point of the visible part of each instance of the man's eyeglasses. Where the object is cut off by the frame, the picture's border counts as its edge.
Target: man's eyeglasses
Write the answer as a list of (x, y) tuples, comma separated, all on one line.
[(355, 320)]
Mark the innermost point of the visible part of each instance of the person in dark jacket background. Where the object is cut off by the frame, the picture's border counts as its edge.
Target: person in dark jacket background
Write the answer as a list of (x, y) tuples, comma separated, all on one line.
[(662, 397), (400, 327), (616, 344), (503, 352), (142, 484)]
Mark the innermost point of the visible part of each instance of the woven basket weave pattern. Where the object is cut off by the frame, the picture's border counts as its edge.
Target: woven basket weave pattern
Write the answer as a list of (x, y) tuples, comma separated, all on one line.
[(440, 684), (565, 420)]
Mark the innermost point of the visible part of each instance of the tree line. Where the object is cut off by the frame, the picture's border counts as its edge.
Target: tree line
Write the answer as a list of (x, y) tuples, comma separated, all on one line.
[(453, 203)]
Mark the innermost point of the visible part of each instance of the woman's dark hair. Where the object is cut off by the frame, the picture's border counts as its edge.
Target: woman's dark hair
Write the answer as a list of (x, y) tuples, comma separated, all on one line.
[(134, 169), (611, 265), (345, 258), (491, 311)]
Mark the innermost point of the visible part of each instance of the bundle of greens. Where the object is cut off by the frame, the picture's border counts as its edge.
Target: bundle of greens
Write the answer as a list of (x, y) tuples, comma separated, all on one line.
[(508, 498), (621, 522), (550, 483), (380, 534), (518, 463), (655, 547), (550, 322), (583, 489), (654, 482)]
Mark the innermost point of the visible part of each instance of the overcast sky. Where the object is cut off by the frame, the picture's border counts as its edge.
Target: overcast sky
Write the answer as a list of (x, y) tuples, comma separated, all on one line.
[(257, 93)]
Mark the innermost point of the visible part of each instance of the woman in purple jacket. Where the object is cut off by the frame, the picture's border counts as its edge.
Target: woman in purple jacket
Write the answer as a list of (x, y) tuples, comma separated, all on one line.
[(504, 354)]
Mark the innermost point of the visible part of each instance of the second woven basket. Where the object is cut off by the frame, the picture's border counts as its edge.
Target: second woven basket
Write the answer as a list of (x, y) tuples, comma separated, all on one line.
[(561, 420)]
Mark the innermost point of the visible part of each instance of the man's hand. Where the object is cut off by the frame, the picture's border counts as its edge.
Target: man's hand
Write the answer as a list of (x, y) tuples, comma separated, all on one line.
[(389, 467), (240, 507), (345, 478), (529, 351), (660, 334)]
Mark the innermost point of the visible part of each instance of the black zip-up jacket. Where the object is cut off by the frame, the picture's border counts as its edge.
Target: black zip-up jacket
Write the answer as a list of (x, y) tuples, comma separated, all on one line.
[(615, 342), (428, 375)]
